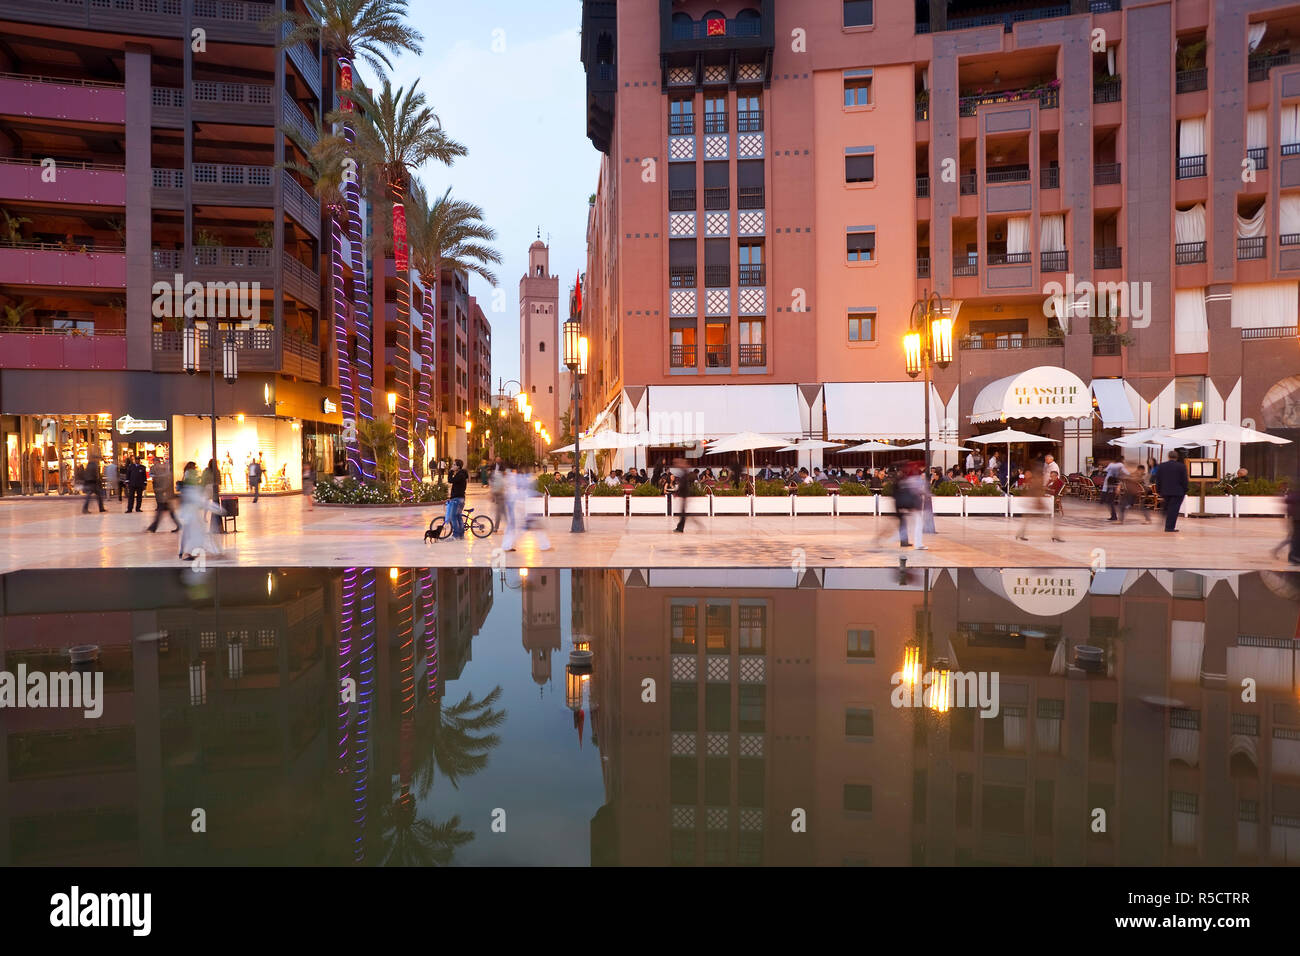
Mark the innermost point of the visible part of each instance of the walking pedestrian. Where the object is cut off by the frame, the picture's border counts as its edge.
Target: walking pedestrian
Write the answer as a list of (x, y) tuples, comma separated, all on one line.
[(519, 487), (196, 505), (456, 500), (909, 502), (309, 482), (255, 476), (111, 480), (164, 492), (497, 482), (137, 476), (1293, 520), (93, 483), (1110, 487), (1034, 501), (682, 492), (1171, 485)]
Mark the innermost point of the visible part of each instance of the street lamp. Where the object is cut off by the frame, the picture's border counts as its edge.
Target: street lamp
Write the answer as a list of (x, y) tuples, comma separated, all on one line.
[(575, 360), (191, 355), (928, 342), (392, 403)]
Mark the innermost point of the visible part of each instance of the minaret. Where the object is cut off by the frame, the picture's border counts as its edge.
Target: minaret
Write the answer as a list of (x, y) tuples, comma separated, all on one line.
[(539, 337)]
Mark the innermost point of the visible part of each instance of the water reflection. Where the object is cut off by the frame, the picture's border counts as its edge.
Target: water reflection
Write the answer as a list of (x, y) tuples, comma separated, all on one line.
[(367, 716)]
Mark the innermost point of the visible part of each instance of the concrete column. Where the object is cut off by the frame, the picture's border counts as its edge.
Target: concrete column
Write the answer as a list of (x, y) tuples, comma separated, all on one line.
[(139, 211)]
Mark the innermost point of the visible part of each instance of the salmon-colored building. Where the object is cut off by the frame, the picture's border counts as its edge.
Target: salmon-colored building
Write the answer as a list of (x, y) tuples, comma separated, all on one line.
[(1106, 195)]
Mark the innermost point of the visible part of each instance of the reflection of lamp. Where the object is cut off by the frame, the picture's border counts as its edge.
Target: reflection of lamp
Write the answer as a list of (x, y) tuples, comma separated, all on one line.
[(1196, 410), (270, 583), (198, 683), (469, 425), (392, 403), (940, 687), (229, 360), (573, 688), (235, 651), (240, 418), (1182, 411), (392, 574), (266, 394), (911, 663)]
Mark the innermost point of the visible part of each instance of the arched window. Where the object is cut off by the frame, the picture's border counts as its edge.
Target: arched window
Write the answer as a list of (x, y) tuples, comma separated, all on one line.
[(683, 26)]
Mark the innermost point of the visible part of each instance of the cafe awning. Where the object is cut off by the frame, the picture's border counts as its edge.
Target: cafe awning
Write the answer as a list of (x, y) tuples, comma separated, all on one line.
[(879, 410), (1112, 402), (697, 412), (1043, 392)]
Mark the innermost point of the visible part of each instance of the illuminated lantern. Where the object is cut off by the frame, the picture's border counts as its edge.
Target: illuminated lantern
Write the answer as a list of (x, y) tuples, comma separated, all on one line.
[(912, 353)]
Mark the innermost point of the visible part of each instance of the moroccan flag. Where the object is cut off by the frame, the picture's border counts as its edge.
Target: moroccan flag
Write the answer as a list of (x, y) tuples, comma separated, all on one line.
[(577, 300), (399, 237), (717, 27), (345, 84)]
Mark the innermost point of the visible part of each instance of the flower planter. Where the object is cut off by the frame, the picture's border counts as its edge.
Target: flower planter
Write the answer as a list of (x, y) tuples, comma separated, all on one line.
[(986, 506), (728, 505), (602, 505), (640, 505), (810, 505), (946, 506), (695, 505), (886, 505), (559, 506), (1024, 505), (778, 505), (1256, 506), (1214, 504), (535, 506), (855, 504)]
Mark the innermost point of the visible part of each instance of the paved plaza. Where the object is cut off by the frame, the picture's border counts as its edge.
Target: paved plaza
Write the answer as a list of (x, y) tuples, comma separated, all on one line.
[(287, 532)]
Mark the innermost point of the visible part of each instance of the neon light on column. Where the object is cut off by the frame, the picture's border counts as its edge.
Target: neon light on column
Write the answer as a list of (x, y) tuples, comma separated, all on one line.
[(402, 416), (360, 287), (365, 705), (426, 369), (347, 609), (347, 400), (430, 635)]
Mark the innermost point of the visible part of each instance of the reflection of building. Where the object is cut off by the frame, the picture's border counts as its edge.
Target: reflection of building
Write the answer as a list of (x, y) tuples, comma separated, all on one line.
[(541, 621), (775, 698)]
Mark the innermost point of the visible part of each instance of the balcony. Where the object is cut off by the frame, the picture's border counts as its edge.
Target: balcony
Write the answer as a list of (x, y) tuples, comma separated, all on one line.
[(1191, 81), (680, 124), (1048, 98), (296, 118), (1281, 332), (1191, 167), (681, 277), (1258, 156), (717, 277), (256, 349), (301, 282), (922, 187), (923, 267), (1006, 174), (300, 358), (752, 356), (753, 275), (1252, 247), (969, 184), (965, 266), (84, 183), (715, 123), (61, 98), (54, 265), (1010, 258), (305, 59), (749, 121), (1289, 239), (1055, 261), (680, 35), (1049, 177), (990, 343), (1106, 89), (1106, 174), (749, 197), (1189, 253), (717, 356), (1103, 6), (1108, 257), (1107, 345), (1259, 66), (41, 348), (1009, 18), (233, 257), (1290, 149), (717, 197), (681, 356), (300, 204), (681, 200)]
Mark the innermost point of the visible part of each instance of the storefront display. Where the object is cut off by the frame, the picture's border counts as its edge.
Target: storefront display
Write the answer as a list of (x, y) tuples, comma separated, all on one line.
[(240, 440), (44, 453)]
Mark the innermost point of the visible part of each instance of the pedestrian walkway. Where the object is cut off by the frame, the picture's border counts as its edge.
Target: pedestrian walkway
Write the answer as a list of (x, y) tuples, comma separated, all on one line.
[(52, 533)]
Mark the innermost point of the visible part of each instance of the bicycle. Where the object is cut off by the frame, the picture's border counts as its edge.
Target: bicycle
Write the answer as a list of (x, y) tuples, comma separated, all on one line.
[(481, 526)]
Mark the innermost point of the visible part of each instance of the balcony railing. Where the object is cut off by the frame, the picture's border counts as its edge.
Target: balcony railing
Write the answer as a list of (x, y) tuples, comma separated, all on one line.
[(233, 257), (1189, 253), (717, 356), (749, 121), (1191, 167), (294, 116), (1049, 177), (1006, 174), (749, 197), (232, 10), (167, 258), (1055, 261), (1260, 65), (168, 8), (1103, 6), (965, 266), (217, 174), (77, 248), (1289, 239), (717, 197), (169, 97), (168, 178), (1106, 344), (923, 267), (1010, 258), (1108, 257), (681, 200), (681, 124), (1107, 90), (681, 356), (63, 80), (1106, 174), (295, 197), (969, 184), (245, 94), (681, 277), (715, 122), (1290, 149), (63, 164), (717, 277), (1048, 99), (699, 29), (1189, 81), (752, 356), (977, 343), (922, 187), (250, 340), (1259, 156), (1279, 332), (1252, 247), (753, 274), (1008, 19)]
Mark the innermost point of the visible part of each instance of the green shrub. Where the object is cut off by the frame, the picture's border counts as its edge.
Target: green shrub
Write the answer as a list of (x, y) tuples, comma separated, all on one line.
[(427, 493), (560, 489), (813, 490), (769, 489), (602, 490), (726, 491), (1261, 486), (349, 491), (946, 489), (852, 489), (984, 491), (647, 491)]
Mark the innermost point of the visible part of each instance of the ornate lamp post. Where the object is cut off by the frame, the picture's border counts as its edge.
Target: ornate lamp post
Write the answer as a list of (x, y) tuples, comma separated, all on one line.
[(928, 342), (191, 345), (575, 360)]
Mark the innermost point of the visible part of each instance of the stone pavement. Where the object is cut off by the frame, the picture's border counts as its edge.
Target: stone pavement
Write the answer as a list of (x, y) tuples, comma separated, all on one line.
[(285, 531)]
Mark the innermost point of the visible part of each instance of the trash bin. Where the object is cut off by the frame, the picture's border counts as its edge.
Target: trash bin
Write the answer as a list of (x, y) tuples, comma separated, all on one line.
[(230, 506)]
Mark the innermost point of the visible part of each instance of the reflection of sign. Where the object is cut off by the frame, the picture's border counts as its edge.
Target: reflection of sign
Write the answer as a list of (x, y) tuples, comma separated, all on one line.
[(126, 425), (328, 407), (1043, 592)]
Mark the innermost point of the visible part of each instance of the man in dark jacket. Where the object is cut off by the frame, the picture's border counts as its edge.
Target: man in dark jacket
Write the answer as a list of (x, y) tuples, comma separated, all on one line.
[(163, 492), (137, 476), (91, 480), (1171, 485), (459, 479)]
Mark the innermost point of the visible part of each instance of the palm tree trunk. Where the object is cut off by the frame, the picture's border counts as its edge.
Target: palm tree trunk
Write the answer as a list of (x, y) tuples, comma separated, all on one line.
[(365, 706), (402, 360), (347, 400), (430, 632), (346, 618), (427, 369)]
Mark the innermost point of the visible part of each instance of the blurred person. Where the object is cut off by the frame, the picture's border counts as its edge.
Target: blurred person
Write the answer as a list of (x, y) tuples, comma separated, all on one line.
[(164, 492), (1171, 485)]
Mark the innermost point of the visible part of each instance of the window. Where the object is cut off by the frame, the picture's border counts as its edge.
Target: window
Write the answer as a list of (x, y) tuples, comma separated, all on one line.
[(541, 346), (861, 246), (857, 13), (862, 326), (715, 114), (681, 117), (860, 165), (857, 91), (858, 723), (862, 645), (857, 797)]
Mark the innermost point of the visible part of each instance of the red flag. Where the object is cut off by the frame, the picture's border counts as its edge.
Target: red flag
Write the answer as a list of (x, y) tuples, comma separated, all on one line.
[(345, 84), (577, 302), (717, 27), (399, 237)]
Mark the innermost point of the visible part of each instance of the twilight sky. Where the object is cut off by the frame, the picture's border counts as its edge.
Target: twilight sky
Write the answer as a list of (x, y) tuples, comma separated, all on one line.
[(522, 114)]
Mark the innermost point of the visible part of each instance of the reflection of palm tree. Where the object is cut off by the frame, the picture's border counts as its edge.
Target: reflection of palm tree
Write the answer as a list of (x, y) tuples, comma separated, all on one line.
[(410, 840), (450, 739)]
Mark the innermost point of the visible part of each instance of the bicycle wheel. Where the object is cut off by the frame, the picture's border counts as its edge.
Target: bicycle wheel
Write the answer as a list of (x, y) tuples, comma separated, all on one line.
[(481, 526), (439, 527)]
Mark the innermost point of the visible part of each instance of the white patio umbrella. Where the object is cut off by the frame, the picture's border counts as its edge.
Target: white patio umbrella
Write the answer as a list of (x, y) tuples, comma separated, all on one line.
[(872, 447), (745, 441), (1007, 436), (1226, 432), (936, 445), (601, 441), (810, 445)]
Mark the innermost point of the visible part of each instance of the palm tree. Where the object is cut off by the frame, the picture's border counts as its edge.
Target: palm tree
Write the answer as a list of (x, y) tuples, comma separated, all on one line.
[(346, 29), (397, 132), (450, 739), (16, 313), (451, 233), (408, 840), (378, 437)]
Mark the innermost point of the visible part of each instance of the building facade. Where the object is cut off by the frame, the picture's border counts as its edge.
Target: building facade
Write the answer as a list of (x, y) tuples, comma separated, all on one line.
[(782, 182)]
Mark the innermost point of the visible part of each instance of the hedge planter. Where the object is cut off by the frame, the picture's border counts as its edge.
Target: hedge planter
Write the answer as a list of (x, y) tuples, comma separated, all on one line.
[(814, 504), (559, 506), (1255, 506), (776, 505), (976, 505), (855, 504), (946, 506), (1220, 505), (886, 505), (1024, 505), (648, 505), (606, 505), (731, 505)]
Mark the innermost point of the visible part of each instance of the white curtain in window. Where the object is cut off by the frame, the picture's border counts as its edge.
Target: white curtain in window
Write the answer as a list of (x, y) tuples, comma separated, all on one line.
[(1189, 224), (1047, 735), (1290, 124), (1052, 232), (1110, 60), (1254, 226), (1014, 726), (925, 78), (1288, 218), (1255, 35), (1185, 745), (1191, 137), (1284, 843), (1182, 828), (1017, 235), (1186, 647), (1271, 668), (1191, 330), (1257, 129)]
